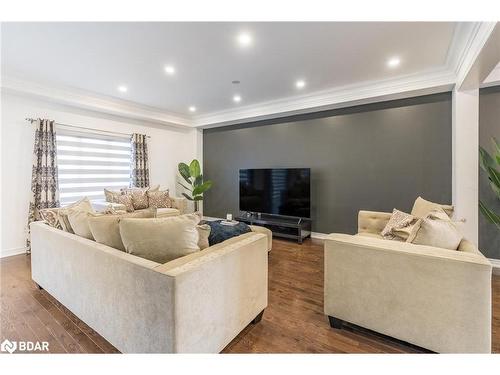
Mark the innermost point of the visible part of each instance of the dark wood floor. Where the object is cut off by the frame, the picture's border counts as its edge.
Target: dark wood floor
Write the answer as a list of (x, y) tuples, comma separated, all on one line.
[(292, 323)]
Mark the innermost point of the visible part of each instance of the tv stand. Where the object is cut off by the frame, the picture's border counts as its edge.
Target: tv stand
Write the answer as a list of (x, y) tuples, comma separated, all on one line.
[(282, 226)]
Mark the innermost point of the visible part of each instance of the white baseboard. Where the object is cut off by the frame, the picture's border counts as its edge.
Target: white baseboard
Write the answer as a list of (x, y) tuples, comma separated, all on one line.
[(496, 266), (10, 252), (318, 235)]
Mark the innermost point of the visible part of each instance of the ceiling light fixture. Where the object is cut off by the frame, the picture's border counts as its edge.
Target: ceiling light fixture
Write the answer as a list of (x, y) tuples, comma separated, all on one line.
[(236, 98), (169, 69), (192, 109), (122, 88), (300, 84), (393, 62), (244, 39)]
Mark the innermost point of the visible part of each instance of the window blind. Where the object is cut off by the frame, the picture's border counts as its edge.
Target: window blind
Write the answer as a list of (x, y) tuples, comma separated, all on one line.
[(90, 162)]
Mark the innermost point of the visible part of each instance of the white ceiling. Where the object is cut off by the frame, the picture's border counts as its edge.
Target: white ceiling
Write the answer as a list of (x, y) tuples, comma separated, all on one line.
[(97, 57)]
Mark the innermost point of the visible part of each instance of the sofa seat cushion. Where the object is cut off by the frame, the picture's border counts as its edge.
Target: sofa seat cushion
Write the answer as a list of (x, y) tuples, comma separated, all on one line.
[(167, 212), (371, 235)]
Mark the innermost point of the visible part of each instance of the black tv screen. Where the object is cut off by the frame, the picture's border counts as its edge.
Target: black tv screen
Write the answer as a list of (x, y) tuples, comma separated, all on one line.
[(278, 191)]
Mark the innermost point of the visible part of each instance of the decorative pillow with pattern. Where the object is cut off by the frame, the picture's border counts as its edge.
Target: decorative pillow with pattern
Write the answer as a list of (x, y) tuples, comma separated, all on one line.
[(398, 220), (111, 196), (51, 216), (139, 199), (126, 200), (159, 199), (133, 189)]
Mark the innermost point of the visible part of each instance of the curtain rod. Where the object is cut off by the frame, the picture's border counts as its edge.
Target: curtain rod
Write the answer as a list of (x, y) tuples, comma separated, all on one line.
[(31, 120)]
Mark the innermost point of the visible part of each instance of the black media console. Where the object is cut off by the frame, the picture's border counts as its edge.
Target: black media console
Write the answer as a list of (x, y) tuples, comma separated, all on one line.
[(281, 226)]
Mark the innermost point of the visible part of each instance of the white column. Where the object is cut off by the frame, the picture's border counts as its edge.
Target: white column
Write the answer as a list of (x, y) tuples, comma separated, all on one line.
[(465, 135)]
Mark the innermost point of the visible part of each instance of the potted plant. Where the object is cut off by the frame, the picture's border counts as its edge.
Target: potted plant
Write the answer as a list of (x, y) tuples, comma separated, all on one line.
[(193, 182), (491, 165)]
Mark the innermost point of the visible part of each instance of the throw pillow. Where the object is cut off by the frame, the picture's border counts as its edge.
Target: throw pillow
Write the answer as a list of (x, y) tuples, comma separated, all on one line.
[(437, 230), (126, 200), (159, 199), (421, 207), (80, 223), (62, 214), (203, 234), (160, 240), (106, 228), (50, 215), (111, 196), (398, 220), (139, 199), (132, 189)]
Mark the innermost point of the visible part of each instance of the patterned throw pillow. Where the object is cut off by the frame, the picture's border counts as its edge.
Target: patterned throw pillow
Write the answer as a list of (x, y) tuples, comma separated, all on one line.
[(159, 199), (139, 199), (134, 189), (126, 200), (50, 215), (111, 196), (398, 221)]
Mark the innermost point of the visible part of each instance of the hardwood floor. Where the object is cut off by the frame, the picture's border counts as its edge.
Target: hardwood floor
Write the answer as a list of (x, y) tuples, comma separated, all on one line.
[(292, 323)]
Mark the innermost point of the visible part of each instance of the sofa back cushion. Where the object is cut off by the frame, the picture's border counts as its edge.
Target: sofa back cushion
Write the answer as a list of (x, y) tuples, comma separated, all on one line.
[(81, 205), (160, 239), (79, 221), (106, 228), (422, 207)]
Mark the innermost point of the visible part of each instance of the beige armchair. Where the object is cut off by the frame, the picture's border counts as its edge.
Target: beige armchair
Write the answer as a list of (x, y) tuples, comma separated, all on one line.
[(431, 297)]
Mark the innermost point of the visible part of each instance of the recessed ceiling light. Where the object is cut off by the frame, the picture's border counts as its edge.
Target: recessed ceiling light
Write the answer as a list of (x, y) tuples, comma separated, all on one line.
[(122, 88), (244, 39), (393, 62), (300, 83), (169, 69), (192, 109), (236, 98)]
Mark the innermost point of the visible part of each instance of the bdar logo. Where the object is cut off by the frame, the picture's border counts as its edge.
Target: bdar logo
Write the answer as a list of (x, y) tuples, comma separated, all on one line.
[(8, 346)]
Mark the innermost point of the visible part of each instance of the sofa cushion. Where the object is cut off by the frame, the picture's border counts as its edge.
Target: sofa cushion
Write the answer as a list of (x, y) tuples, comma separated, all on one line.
[(436, 229), (51, 216), (126, 200), (111, 196), (80, 223), (167, 212), (398, 220), (160, 239), (82, 205), (422, 207), (139, 199), (159, 199), (106, 228), (203, 234)]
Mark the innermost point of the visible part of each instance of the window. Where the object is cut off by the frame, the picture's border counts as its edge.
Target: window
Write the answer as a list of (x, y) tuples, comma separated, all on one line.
[(90, 162)]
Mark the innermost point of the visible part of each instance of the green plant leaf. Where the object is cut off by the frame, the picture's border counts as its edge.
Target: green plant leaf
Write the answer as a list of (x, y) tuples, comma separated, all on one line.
[(198, 198), (489, 215), (198, 181), (184, 172), (494, 176), (202, 188), (194, 168), (497, 147), (184, 186), (187, 196), (485, 159)]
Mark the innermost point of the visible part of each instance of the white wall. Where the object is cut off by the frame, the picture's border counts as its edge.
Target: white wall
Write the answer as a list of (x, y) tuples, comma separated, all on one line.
[(167, 146)]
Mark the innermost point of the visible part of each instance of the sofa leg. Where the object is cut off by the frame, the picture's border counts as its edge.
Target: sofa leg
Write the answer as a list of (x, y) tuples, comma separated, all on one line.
[(38, 286), (334, 322), (258, 318)]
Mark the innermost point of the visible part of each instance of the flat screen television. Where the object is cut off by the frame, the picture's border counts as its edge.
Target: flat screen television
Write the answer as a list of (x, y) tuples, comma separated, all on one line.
[(277, 191)]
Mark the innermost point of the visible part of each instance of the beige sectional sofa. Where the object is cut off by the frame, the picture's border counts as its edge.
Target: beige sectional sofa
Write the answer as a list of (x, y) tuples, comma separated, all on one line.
[(194, 304), (430, 297)]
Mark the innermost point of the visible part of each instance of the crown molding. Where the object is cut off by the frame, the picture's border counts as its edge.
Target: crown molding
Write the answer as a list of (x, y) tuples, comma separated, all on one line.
[(402, 87), (91, 101)]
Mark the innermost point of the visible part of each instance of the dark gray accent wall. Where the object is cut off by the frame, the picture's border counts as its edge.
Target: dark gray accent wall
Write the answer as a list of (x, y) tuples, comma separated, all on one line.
[(489, 126), (372, 157)]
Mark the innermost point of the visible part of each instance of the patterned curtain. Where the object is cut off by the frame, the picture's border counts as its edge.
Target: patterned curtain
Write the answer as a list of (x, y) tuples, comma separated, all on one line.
[(140, 163), (44, 181)]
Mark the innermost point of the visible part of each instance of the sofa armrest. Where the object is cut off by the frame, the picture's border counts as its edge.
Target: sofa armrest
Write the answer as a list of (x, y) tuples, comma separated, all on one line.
[(180, 203), (103, 205), (435, 298), (372, 221), (218, 291)]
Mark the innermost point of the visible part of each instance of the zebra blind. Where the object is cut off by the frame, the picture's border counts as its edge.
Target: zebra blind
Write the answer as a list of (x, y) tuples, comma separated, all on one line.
[(90, 162)]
